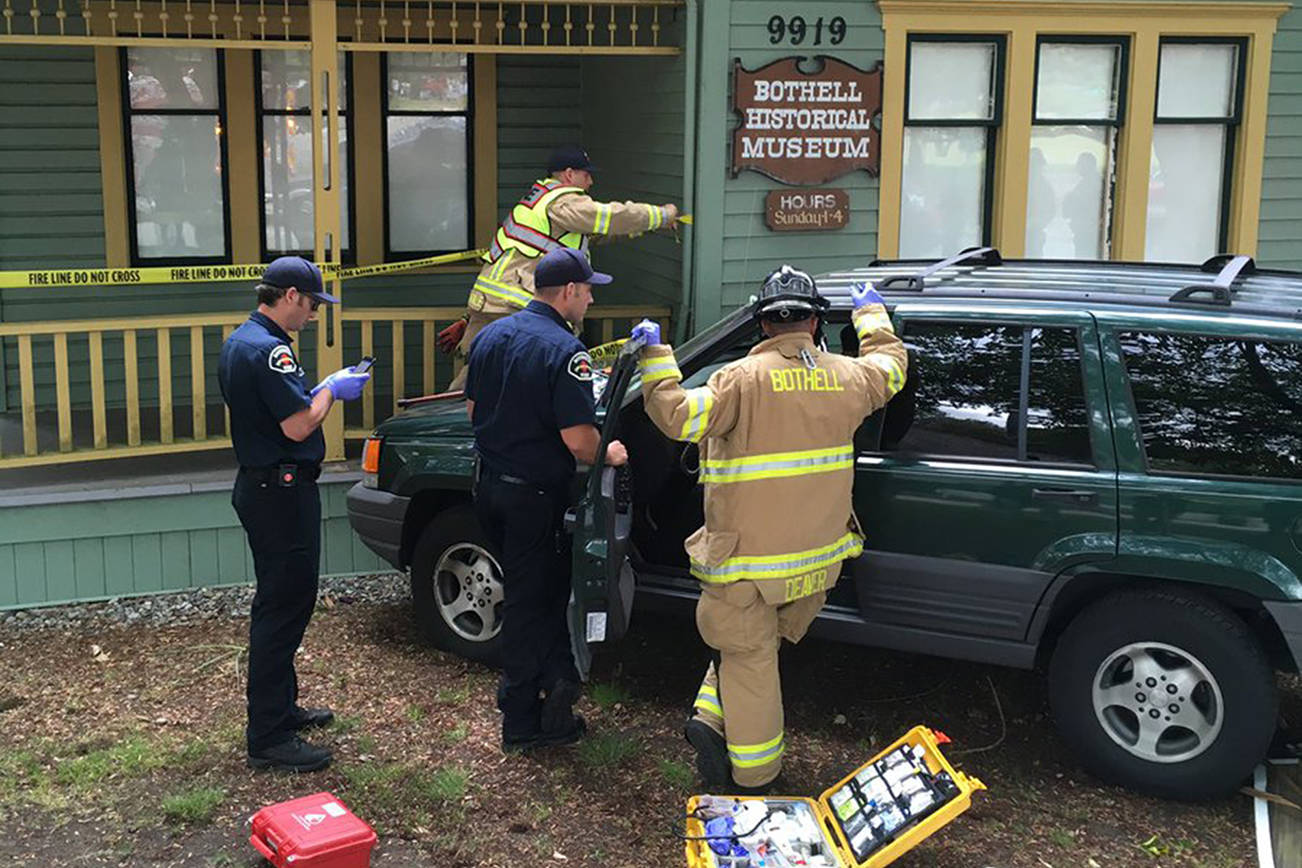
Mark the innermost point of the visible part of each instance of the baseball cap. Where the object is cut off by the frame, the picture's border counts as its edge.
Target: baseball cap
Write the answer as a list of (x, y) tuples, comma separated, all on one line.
[(567, 265), (295, 271), (569, 157)]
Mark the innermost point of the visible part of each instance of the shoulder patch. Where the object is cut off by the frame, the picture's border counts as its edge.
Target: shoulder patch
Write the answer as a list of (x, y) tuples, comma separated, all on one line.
[(580, 367), (281, 360)]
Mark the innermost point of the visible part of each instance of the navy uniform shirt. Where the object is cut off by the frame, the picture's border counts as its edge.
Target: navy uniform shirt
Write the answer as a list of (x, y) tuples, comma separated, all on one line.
[(263, 385), (529, 378)]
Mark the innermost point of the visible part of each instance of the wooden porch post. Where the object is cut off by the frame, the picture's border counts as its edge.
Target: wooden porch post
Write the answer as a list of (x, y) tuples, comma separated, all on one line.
[(326, 201)]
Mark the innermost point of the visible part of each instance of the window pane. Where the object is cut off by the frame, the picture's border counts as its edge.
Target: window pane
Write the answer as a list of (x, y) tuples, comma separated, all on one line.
[(951, 81), (286, 80), (436, 82), (943, 190), (427, 183), (1069, 201), (1197, 81), (287, 182), (1077, 82), (1184, 192), (967, 381), (1181, 385), (178, 185), (172, 78), (1057, 424)]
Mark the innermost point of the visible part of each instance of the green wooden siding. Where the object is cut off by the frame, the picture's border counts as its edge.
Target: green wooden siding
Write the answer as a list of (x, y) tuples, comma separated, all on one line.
[(1280, 241), (93, 550)]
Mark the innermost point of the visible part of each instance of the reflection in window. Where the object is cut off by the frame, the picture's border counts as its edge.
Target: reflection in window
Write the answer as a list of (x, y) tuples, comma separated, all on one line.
[(1209, 405), (1057, 423), (427, 115), (949, 129), (286, 105), (174, 107)]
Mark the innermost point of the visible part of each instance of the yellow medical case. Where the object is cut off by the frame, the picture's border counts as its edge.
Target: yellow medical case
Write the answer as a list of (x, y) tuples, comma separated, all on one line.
[(859, 800)]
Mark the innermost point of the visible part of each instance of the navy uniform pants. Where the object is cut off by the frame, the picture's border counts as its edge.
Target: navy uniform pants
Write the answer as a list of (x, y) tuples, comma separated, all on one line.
[(283, 525), (525, 527)]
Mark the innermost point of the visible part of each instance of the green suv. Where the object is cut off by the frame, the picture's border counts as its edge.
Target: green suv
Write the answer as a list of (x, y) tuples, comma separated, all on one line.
[(1094, 469)]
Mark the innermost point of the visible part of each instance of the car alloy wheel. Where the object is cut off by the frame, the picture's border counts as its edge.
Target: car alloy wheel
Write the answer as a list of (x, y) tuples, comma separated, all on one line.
[(468, 591), (1158, 702)]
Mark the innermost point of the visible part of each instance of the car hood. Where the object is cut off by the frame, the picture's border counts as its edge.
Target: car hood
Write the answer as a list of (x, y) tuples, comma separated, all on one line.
[(443, 418)]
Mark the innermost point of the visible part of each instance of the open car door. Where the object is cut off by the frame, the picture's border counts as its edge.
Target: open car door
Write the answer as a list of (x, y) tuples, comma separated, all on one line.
[(601, 597)]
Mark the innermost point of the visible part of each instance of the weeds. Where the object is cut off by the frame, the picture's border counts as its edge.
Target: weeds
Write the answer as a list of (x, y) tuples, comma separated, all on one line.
[(135, 756), (345, 724), (677, 774), (457, 734), (414, 713), (607, 749), (608, 695), (455, 695), (402, 791), (193, 806)]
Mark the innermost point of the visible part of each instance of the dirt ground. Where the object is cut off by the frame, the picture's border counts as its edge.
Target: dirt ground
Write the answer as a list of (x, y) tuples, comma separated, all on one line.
[(123, 746)]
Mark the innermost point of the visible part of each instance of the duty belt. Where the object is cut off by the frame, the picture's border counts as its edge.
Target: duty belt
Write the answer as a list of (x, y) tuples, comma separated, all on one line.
[(275, 474)]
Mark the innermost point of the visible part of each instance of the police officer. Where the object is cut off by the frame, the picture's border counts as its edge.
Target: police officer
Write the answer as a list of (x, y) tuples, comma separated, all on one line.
[(556, 212), (276, 431), (529, 395), (777, 462)]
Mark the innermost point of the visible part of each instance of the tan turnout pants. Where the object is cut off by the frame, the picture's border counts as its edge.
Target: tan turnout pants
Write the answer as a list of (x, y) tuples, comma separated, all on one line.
[(742, 700), (474, 326)]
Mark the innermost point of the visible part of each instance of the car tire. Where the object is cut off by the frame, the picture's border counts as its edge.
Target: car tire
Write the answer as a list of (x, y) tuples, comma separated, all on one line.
[(1133, 668), (456, 586)]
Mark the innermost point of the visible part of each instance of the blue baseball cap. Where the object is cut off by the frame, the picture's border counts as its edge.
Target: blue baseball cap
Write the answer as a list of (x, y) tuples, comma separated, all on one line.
[(295, 271), (569, 157), (567, 265)]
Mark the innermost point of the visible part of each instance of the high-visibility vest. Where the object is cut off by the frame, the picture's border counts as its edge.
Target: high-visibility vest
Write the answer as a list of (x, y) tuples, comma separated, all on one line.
[(527, 231)]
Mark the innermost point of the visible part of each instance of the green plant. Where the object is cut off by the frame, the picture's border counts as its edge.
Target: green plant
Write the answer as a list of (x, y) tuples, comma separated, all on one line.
[(193, 806), (608, 695), (348, 723), (132, 757), (452, 695), (414, 713), (366, 744), (1062, 838), (457, 734), (607, 749), (677, 774), (447, 784)]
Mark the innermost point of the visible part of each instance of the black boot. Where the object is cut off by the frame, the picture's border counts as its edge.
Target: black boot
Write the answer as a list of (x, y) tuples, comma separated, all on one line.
[(294, 755), (712, 761), (558, 707), (517, 743), (306, 718)]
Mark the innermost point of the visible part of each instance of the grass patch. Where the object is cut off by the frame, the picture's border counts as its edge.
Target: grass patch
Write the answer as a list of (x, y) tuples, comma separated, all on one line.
[(366, 744), (457, 734), (191, 753), (1062, 839), (346, 723), (414, 713), (193, 806), (677, 774), (609, 695), (454, 695), (134, 756), (446, 784), (23, 779), (401, 796), (607, 749)]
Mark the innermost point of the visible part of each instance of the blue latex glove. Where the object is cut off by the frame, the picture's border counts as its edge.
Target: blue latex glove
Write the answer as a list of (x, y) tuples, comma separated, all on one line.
[(648, 331), (864, 293), (344, 384)]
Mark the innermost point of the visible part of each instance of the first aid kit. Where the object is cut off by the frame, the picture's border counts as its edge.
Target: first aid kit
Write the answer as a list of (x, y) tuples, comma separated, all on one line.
[(315, 831), (868, 819)]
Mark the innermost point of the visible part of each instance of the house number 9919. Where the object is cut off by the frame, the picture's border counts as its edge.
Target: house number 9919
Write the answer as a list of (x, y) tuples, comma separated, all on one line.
[(796, 29)]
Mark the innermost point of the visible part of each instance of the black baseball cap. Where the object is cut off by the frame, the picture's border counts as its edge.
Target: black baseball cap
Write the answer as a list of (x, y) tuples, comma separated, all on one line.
[(567, 265), (569, 157), (295, 271)]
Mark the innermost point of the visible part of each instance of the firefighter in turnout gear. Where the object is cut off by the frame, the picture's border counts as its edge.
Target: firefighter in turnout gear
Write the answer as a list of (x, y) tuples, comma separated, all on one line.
[(556, 212), (776, 433)]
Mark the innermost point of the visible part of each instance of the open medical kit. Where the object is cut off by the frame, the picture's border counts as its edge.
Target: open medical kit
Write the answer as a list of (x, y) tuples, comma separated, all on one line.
[(869, 819), (315, 831)]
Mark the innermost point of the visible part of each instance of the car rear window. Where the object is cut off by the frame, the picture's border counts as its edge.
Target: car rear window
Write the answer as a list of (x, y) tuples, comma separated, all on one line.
[(1213, 405)]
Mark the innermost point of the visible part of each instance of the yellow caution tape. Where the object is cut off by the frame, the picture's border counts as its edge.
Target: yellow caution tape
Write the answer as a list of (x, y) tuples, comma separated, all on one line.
[(202, 273), (685, 218), (606, 354)]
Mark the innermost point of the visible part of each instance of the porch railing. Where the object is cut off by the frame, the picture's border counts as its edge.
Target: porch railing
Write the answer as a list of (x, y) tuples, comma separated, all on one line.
[(111, 388)]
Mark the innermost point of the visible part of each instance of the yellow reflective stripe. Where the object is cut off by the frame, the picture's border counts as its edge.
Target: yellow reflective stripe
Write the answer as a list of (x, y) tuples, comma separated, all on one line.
[(781, 566), (601, 223), (866, 324), (657, 218), (504, 291), (658, 368), (500, 266), (751, 755), (894, 373), (776, 465), (699, 403), (708, 700)]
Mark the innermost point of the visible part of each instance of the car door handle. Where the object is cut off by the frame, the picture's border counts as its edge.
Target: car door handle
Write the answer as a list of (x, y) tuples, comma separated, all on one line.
[(1075, 495)]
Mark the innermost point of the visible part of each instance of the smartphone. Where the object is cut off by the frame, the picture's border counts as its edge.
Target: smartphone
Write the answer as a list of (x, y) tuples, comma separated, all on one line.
[(364, 365)]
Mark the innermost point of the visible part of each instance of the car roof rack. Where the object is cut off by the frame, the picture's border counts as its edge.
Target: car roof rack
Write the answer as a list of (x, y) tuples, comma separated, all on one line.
[(1228, 268), (917, 282)]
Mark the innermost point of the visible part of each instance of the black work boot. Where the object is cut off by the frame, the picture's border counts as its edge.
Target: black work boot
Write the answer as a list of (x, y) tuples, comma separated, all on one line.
[(518, 743), (712, 761), (306, 718), (294, 755), (558, 707)]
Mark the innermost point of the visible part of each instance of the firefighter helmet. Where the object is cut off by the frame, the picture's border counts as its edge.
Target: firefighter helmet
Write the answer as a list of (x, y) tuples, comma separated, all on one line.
[(788, 295)]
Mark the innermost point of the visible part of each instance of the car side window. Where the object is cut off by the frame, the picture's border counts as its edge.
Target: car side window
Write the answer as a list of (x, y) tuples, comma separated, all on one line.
[(964, 395), (1214, 405)]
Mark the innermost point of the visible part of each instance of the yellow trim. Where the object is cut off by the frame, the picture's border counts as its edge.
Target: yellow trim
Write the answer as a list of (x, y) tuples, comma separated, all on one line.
[(242, 148), (112, 158), (1021, 21), (366, 130)]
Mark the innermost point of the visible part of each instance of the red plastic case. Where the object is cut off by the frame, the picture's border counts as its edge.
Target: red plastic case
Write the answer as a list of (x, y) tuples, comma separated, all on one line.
[(315, 831)]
